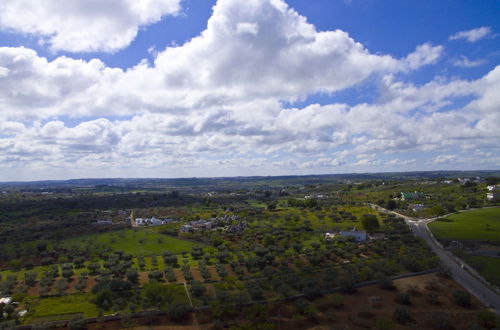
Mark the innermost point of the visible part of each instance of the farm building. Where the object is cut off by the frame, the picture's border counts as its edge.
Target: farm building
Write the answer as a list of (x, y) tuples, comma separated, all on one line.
[(407, 196)]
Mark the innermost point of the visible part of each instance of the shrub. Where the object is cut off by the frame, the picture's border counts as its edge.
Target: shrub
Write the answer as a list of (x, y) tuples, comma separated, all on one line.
[(441, 321), (462, 298), (178, 311), (403, 298), (77, 323), (431, 298), (402, 315)]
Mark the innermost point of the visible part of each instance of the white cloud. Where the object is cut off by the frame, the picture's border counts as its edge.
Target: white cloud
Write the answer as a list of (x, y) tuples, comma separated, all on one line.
[(472, 35), (464, 62), (84, 26), (251, 50), (217, 103), (445, 159), (423, 55)]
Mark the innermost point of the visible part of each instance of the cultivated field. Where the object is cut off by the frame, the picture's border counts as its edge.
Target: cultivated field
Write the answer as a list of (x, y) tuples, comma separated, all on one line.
[(477, 225)]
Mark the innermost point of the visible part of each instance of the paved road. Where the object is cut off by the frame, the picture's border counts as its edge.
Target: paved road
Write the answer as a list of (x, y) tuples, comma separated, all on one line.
[(475, 286)]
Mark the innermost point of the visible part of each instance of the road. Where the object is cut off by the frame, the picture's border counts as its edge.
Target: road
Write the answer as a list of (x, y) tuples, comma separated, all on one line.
[(475, 286)]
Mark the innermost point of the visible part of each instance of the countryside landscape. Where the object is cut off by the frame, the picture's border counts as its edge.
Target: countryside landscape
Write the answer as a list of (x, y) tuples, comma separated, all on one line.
[(249, 164), (296, 252)]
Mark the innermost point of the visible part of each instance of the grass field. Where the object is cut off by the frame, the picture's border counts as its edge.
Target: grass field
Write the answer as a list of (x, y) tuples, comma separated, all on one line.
[(135, 241), (61, 308), (488, 267), (480, 225), (144, 241)]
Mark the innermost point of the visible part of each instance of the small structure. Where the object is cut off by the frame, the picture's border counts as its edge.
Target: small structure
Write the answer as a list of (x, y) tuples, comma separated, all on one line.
[(104, 222), (329, 235), (416, 207), (376, 236), (407, 196), (359, 236), (5, 300), (494, 193), (187, 229), (139, 222)]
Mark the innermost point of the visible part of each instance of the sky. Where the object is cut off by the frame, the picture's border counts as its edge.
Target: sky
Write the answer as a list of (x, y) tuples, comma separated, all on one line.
[(206, 88)]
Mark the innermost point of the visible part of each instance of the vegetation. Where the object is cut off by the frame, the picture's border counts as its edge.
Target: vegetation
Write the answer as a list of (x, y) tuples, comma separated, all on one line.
[(268, 240), (480, 225)]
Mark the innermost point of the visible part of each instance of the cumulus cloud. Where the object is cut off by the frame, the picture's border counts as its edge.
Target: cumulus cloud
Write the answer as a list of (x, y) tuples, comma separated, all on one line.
[(464, 62), (423, 55), (84, 26), (218, 102), (472, 35), (251, 50)]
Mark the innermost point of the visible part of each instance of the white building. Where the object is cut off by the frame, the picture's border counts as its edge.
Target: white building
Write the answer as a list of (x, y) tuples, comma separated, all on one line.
[(494, 193)]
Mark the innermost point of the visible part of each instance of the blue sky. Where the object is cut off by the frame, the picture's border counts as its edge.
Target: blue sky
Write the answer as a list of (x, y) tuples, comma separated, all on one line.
[(172, 88)]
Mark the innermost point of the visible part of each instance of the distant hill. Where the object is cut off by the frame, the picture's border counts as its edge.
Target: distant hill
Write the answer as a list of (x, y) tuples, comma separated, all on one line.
[(162, 183)]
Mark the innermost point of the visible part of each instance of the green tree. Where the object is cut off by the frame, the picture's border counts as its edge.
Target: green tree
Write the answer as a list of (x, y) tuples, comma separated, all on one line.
[(158, 295), (77, 323), (370, 222), (462, 298)]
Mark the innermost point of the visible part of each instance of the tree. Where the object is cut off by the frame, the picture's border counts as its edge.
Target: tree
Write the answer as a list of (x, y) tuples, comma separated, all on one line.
[(133, 276), (157, 295), (272, 206), (30, 279), (62, 285), (370, 222), (67, 273), (492, 180), (41, 247), (196, 252), (197, 289), (437, 210), (177, 311), (402, 315), (77, 323), (462, 298), (81, 284), (391, 204)]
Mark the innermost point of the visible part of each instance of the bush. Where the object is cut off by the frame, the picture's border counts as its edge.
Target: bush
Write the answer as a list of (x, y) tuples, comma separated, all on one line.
[(403, 298), (486, 318), (77, 323), (402, 315), (385, 283), (178, 311), (441, 321), (462, 298), (431, 299), (197, 289)]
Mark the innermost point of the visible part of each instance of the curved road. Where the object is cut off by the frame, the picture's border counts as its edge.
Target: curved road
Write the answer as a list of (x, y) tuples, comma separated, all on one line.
[(483, 292)]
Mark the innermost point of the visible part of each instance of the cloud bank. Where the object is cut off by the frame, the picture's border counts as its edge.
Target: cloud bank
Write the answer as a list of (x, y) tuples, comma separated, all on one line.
[(222, 104), (84, 26)]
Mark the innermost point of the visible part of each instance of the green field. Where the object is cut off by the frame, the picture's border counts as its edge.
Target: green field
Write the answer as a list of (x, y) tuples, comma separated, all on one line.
[(135, 241), (479, 225), (144, 241), (62, 308), (488, 267)]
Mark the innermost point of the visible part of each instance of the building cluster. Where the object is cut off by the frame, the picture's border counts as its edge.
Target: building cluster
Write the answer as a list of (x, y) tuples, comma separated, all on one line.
[(4, 301), (407, 196), (493, 193), (317, 196), (464, 181), (416, 207), (358, 235), (104, 222), (231, 223), (153, 221)]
